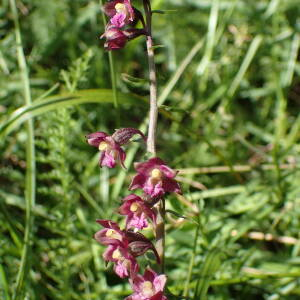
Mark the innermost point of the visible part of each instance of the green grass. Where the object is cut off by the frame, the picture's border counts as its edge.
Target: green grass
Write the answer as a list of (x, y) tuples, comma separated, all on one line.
[(229, 85)]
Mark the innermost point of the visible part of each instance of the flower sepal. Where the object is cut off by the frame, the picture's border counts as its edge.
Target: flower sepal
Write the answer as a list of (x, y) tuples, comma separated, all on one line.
[(123, 135)]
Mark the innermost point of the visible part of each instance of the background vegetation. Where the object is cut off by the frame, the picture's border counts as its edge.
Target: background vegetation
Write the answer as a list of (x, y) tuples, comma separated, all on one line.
[(229, 82)]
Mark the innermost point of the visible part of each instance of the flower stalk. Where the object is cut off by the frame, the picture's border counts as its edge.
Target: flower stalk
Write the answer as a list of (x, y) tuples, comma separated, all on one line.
[(151, 145), (151, 140)]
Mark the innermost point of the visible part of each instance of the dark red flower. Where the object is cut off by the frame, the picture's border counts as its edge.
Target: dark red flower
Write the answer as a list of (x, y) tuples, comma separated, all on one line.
[(110, 146), (111, 152), (137, 212), (125, 262), (148, 287), (155, 178), (115, 38), (123, 247), (120, 12), (111, 234)]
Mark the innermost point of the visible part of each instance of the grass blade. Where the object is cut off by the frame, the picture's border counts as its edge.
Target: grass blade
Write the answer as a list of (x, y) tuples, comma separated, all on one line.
[(211, 264), (245, 64), (30, 183), (56, 102), (182, 67), (288, 76), (211, 38), (3, 284)]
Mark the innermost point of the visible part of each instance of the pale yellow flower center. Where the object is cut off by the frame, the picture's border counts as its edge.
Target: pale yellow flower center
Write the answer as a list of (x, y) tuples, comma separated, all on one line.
[(113, 234), (102, 146), (156, 174), (147, 288), (120, 8), (134, 207), (117, 254)]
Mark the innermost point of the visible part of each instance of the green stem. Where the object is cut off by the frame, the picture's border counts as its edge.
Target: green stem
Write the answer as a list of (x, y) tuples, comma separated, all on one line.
[(191, 265), (113, 79), (30, 160)]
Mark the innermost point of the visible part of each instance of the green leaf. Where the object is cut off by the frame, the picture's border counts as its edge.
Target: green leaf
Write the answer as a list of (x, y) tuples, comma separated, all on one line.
[(210, 266), (174, 109), (164, 11), (3, 284), (158, 46), (132, 79), (40, 107)]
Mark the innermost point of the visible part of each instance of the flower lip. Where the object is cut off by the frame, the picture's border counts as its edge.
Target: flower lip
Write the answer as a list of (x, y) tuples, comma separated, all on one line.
[(117, 254), (147, 288)]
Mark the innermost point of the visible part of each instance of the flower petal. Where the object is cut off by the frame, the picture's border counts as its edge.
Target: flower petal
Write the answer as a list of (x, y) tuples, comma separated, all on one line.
[(171, 186), (108, 160), (168, 172), (118, 20), (159, 282), (123, 135), (109, 7), (137, 182), (95, 138)]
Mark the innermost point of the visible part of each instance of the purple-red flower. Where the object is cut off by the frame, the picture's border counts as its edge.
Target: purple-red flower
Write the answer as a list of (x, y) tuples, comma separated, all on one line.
[(137, 212), (111, 234), (117, 38), (111, 152), (148, 287), (155, 178), (120, 12), (123, 247), (125, 263), (110, 146)]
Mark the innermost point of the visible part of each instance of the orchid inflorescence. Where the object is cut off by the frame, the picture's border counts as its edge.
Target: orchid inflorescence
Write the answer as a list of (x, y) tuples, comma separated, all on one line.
[(156, 179), (153, 177)]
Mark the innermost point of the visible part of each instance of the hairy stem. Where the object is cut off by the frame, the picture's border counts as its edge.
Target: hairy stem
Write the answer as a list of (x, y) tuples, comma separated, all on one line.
[(151, 145), (151, 148)]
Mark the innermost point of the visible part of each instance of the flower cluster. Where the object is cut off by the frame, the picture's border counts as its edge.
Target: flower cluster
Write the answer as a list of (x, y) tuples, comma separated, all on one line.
[(155, 179), (120, 28)]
